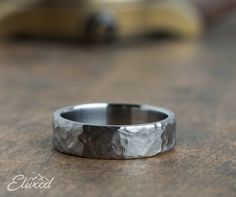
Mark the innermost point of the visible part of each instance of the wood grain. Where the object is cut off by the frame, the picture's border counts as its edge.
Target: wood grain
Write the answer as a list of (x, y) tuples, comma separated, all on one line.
[(196, 80)]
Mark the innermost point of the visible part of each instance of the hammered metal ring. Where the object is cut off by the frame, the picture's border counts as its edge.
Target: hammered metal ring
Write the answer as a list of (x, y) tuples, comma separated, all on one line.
[(114, 131)]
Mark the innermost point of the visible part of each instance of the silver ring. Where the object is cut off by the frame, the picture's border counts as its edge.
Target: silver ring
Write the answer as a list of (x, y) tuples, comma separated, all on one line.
[(114, 131)]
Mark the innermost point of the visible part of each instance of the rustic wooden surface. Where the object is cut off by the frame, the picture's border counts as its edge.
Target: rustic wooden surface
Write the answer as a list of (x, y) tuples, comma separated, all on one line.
[(196, 80)]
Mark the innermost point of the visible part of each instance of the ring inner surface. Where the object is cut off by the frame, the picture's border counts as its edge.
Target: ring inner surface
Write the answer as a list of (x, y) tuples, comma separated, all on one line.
[(115, 114)]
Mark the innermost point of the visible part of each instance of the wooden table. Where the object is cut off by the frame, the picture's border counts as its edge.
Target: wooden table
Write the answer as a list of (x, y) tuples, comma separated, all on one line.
[(195, 80)]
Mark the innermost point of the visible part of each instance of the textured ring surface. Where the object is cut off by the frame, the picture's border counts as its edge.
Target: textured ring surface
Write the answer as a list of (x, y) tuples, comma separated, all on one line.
[(114, 131)]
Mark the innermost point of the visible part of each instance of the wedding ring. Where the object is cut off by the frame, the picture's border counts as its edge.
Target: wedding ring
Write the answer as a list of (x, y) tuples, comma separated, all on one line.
[(114, 131)]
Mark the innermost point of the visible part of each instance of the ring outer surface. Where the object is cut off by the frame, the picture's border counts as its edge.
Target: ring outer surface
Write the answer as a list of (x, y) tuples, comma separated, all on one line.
[(114, 141)]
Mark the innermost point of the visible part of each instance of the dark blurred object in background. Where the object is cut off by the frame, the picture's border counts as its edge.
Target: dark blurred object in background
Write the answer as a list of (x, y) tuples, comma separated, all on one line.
[(215, 10)]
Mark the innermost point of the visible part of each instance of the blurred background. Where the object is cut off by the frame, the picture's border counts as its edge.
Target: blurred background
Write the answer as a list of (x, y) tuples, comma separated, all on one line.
[(175, 53), (61, 48), (105, 21)]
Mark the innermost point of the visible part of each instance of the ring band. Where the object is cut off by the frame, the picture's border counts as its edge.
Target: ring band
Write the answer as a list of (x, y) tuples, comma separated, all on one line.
[(114, 131)]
